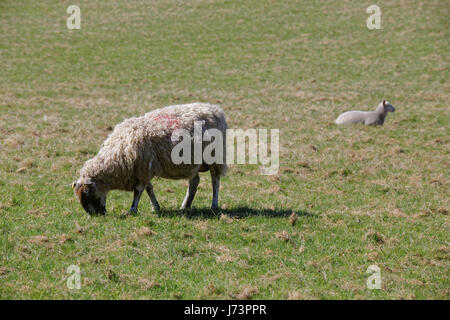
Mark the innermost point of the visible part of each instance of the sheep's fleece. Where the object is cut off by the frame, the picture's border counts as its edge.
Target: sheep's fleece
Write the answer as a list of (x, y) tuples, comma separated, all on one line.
[(140, 148)]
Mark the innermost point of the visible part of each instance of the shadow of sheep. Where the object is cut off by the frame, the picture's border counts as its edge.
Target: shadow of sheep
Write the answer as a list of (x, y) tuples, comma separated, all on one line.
[(238, 212)]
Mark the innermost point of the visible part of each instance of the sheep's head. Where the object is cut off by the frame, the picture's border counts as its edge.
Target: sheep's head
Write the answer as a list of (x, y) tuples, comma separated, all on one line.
[(388, 107), (91, 197)]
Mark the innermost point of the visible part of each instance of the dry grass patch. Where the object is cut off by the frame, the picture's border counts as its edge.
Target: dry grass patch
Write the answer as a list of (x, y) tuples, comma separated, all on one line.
[(142, 232), (283, 236), (247, 293), (374, 236)]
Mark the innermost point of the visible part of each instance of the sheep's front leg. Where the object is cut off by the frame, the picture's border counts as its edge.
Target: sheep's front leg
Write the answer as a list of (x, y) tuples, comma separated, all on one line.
[(190, 194), (151, 194), (137, 196)]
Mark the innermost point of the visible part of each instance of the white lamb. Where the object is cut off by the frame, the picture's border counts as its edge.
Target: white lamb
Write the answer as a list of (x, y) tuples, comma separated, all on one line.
[(376, 117), (139, 149)]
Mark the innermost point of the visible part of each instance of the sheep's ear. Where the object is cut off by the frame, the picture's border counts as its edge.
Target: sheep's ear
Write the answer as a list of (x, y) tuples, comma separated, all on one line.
[(384, 102), (74, 184)]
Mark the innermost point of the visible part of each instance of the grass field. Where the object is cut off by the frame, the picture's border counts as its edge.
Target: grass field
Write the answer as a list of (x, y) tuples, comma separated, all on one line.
[(363, 195)]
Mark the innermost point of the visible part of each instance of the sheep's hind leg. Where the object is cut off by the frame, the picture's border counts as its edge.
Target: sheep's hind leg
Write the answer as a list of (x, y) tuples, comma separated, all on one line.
[(151, 194), (190, 194), (215, 179), (137, 196)]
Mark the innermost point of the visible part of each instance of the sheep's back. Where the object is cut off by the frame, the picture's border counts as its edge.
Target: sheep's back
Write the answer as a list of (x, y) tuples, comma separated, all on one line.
[(352, 117), (183, 117)]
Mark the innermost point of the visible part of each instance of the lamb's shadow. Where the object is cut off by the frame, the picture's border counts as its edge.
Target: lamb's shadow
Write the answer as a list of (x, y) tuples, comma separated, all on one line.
[(237, 212)]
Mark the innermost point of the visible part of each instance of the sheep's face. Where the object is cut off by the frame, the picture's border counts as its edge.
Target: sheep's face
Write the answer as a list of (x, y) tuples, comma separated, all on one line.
[(92, 199), (388, 107)]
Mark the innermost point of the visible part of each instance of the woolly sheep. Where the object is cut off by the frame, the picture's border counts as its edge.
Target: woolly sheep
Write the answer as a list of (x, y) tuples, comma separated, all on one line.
[(376, 117), (139, 149)]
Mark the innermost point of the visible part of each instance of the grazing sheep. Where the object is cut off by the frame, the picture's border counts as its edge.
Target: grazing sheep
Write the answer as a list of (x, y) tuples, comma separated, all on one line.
[(368, 118), (139, 149)]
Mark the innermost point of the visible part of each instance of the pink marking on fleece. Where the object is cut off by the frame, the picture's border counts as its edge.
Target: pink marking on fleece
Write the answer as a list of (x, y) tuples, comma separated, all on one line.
[(171, 122)]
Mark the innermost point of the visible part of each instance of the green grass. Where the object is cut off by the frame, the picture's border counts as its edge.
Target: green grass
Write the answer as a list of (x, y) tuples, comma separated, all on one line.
[(363, 195)]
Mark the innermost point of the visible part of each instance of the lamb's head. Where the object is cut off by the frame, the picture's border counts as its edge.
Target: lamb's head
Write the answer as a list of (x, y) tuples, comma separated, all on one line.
[(91, 195), (387, 107)]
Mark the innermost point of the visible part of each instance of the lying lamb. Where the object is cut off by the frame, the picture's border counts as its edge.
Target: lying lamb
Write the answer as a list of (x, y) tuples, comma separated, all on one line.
[(368, 118), (139, 149)]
